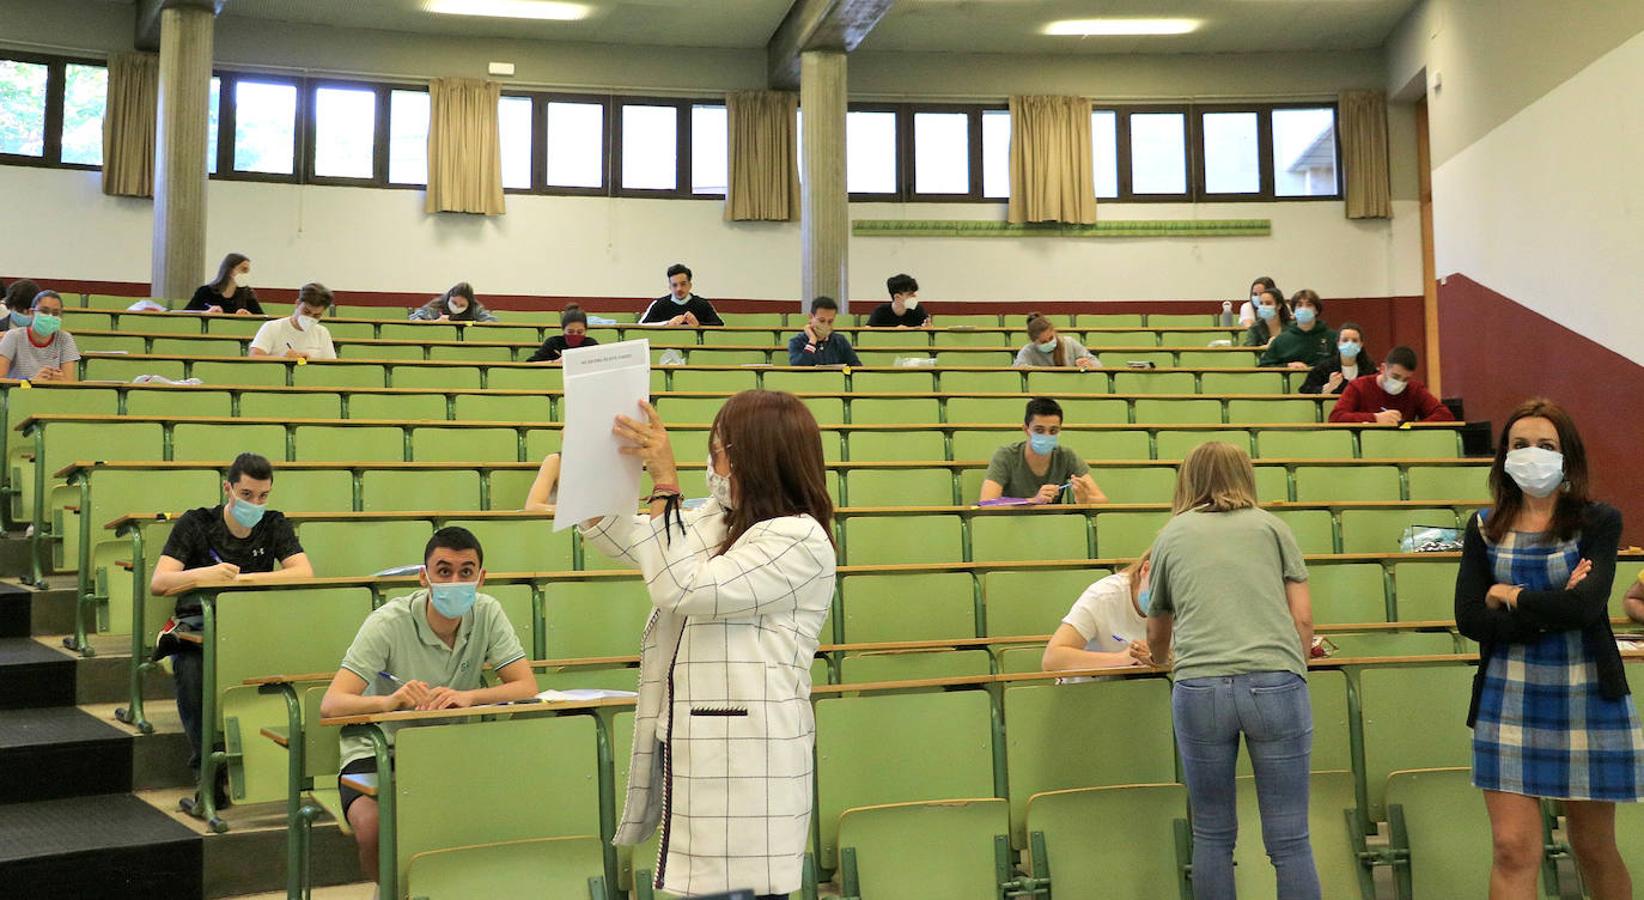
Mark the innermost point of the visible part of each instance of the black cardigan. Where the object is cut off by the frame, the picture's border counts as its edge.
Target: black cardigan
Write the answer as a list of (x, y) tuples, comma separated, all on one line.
[(207, 295), (552, 348), (1586, 608), (1320, 376)]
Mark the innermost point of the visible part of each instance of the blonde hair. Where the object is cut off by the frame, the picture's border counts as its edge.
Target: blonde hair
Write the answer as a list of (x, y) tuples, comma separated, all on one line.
[(1215, 477), (1135, 567)]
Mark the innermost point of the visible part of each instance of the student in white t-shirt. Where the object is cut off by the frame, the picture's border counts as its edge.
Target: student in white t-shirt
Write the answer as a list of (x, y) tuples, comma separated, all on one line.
[(299, 335), (1107, 626)]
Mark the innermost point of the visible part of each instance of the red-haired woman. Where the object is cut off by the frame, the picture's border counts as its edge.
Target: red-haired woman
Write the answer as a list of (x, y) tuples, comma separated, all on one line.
[(723, 727), (1551, 715)]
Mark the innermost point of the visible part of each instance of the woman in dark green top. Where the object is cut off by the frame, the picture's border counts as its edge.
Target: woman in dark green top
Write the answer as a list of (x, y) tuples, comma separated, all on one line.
[(1306, 341), (1272, 315)]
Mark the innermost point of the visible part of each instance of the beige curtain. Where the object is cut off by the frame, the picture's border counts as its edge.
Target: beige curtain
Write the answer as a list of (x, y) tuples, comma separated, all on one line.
[(764, 159), (1050, 176), (464, 149), (1364, 155), (128, 124)]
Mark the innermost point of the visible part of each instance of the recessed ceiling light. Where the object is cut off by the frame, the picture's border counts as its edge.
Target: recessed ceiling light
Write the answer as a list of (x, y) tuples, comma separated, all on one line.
[(1087, 27), (510, 9)]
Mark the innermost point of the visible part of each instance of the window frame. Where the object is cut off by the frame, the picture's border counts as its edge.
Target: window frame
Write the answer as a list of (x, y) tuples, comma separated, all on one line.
[(1265, 176), (310, 133), (973, 131), (538, 130), (1122, 148), (682, 149), (51, 143), (385, 121), (1335, 112), (228, 115), (606, 102)]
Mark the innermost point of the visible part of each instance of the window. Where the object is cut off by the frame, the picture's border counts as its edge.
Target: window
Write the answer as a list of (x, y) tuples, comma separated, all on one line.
[(85, 94), (1104, 152), (870, 152), (22, 108), (265, 127), (1232, 155), (576, 145), (996, 154), (710, 151), (213, 118), (1158, 153), (514, 131), (345, 126), (650, 150), (408, 137), (941, 153), (1304, 152)]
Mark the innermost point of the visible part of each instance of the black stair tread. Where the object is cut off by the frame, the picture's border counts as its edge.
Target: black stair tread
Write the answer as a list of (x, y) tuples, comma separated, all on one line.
[(81, 824), (54, 725), (22, 651)]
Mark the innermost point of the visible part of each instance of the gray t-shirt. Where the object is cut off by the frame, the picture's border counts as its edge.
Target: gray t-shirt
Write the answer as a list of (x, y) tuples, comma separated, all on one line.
[(1072, 352), (1222, 575), (1010, 470), (27, 359)]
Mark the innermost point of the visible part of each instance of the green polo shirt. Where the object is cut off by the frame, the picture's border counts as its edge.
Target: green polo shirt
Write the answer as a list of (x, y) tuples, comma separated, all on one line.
[(398, 640)]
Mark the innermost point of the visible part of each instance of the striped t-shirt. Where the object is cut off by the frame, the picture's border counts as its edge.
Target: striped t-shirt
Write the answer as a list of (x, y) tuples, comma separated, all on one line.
[(28, 358)]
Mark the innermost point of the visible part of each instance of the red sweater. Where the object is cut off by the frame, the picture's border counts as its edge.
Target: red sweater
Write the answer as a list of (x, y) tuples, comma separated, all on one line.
[(1363, 398)]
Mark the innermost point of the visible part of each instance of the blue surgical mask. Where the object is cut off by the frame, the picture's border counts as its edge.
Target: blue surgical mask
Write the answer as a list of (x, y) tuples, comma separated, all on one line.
[(46, 324), (1048, 346), (1042, 444), (1349, 349), (21, 320), (1305, 315), (1267, 312), (1144, 598), (453, 599), (246, 513)]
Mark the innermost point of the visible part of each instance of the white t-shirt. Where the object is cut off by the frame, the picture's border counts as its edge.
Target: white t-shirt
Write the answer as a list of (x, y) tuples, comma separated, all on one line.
[(278, 335), (1247, 314), (1104, 611), (1349, 372)]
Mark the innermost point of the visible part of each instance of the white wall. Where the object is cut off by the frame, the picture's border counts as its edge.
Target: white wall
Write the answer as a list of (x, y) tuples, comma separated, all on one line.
[(368, 239), (1547, 208)]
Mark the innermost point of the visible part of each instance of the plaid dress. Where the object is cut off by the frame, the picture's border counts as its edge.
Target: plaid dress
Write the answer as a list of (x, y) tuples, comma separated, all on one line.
[(1544, 729)]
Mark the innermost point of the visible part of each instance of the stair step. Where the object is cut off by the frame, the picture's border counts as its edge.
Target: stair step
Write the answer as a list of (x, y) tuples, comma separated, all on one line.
[(59, 752), (112, 845), (14, 610), (34, 675)]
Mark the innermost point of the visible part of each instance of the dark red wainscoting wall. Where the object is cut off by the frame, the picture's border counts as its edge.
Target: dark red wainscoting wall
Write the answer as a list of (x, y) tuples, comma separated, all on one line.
[(1497, 353)]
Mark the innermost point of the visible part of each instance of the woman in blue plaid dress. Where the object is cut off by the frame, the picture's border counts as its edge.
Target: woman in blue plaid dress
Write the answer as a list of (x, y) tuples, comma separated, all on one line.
[(1551, 713)]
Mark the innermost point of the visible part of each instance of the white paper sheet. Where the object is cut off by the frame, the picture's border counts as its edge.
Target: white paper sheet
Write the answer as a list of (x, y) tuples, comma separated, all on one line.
[(601, 383)]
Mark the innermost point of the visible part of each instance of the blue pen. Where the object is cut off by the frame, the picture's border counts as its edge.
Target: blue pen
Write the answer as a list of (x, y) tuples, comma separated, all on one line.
[(390, 677), (1121, 640), (214, 557)]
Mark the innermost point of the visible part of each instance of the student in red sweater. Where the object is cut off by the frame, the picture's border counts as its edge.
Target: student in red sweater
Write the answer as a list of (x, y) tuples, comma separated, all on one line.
[(1391, 397)]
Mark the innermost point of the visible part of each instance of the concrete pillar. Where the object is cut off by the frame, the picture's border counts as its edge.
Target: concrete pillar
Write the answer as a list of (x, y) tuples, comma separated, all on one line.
[(824, 207), (180, 150)]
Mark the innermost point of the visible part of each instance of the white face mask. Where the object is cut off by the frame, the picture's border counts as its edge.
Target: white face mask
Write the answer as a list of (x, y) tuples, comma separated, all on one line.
[(1048, 346), (305, 322), (911, 303), (1393, 386), (242, 279), (1536, 470), (457, 309), (719, 486)]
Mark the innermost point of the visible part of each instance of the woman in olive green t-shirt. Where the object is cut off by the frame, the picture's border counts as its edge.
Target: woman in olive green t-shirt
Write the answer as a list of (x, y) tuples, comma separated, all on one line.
[(1229, 582)]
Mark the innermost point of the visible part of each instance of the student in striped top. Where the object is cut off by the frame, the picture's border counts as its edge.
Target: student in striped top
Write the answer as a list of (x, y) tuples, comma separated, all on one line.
[(42, 351)]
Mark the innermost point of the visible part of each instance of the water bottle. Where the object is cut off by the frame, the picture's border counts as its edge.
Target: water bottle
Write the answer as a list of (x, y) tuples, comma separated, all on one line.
[(1227, 313)]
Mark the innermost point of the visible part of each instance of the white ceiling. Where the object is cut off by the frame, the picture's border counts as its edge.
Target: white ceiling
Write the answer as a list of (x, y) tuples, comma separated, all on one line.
[(672, 23), (1229, 26), (971, 26)]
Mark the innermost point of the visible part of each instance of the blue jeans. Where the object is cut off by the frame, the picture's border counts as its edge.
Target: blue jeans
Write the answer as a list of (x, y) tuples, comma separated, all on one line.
[(1271, 710)]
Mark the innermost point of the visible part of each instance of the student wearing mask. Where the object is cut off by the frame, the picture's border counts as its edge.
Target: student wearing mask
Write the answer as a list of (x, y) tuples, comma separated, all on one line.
[(1247, 309), (230, 291), (1633, 603), (1228, 596), (238, 541), (1272, 315), (1037, 468), (1107, 626), (299, 335), (455, 305), (1049, 348), (1551, 713), (903, 309), (573, 325), (819, 344), (1348, 363), (19, 310), (1392, 396), (544, 492), (426, 650), (41, 351), (1307, 341), (724, 735), (680, 307)]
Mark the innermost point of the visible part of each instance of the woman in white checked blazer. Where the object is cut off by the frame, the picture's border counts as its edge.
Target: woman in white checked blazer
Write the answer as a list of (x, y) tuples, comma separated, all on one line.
[(723, 730)]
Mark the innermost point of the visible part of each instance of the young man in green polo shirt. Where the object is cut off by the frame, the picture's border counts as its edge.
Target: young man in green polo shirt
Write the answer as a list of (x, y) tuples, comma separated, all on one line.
[(424, 651)]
